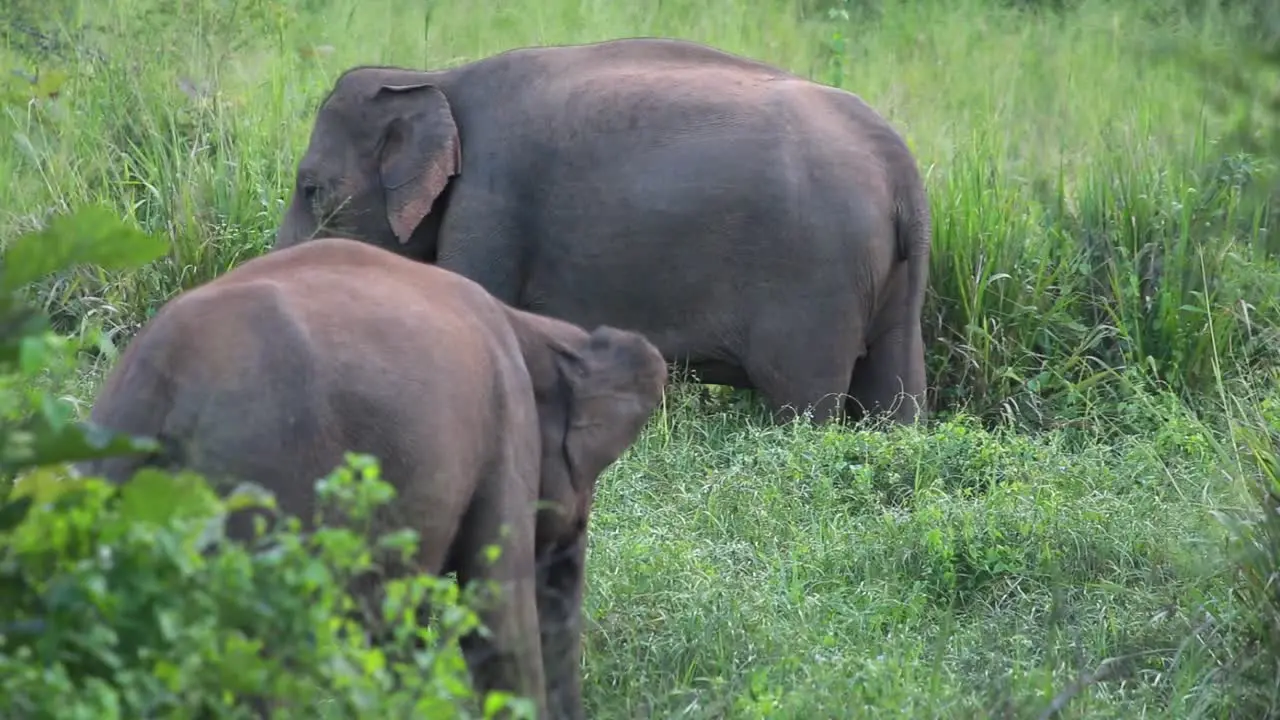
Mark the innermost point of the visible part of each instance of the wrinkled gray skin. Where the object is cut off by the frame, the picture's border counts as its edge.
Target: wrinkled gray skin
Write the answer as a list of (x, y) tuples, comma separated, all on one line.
[(477, 411), (769, 231)]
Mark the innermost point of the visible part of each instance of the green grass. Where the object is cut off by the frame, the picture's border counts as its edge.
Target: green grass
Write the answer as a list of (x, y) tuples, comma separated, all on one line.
[(915, 574), (1102, 328)]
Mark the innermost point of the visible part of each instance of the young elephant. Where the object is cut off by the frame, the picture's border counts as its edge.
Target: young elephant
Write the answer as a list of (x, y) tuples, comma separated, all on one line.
[(476, 410)]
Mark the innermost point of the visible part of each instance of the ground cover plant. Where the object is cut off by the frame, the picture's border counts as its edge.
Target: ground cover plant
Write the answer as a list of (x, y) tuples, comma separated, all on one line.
[(1082, 530)]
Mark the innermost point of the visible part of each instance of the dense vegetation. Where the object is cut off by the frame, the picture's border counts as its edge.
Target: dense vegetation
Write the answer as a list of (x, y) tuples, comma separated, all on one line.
[(1085, 526)]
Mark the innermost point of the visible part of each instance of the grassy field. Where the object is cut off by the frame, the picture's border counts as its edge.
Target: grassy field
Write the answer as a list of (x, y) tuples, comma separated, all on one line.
[(1102, 323)]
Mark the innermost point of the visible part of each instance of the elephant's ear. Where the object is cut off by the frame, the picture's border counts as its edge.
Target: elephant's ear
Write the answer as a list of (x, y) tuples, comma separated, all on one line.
[(613, 382), (420, 151)]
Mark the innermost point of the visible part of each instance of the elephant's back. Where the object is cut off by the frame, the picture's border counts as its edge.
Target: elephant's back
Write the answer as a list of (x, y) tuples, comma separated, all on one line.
[(624, 84), (393, 320), (657, 53), (388, 343), (415, 365)]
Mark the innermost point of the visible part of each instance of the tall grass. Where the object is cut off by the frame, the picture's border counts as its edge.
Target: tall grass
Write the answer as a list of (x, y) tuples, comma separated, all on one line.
[(1086, 217), (1104, 269)]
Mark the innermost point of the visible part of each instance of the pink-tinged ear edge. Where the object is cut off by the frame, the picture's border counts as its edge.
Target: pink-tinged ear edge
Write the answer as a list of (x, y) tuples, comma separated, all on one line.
[(420, 152)]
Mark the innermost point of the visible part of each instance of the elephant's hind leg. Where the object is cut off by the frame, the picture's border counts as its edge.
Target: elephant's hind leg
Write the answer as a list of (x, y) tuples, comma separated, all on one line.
[(800, 364), (890, 377), (510, 658)]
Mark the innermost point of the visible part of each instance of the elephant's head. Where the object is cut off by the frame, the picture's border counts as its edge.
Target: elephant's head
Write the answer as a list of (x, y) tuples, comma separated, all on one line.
[(595, 392), (382, 150)]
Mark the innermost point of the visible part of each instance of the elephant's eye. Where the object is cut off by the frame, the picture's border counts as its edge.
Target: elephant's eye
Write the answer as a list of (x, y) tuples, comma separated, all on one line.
[(310, 191)]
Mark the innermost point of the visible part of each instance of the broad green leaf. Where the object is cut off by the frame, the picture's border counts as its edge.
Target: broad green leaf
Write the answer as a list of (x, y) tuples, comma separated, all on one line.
[(13, 513), (497, 701), (92, 235), (31, 354), (156, 497), (73, 442), (46, 486), (249, 495), (16, 325), (56, 413)]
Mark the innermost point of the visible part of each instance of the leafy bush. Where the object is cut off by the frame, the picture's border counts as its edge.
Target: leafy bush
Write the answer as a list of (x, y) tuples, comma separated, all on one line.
[(128, 601)]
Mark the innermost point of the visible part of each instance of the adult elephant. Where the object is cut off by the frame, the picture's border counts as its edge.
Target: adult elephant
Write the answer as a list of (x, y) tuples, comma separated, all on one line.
[(768, 231), (478, 412)]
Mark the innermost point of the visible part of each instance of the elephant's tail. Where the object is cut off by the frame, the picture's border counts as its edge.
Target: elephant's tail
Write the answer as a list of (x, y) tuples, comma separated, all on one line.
[(913, 223)]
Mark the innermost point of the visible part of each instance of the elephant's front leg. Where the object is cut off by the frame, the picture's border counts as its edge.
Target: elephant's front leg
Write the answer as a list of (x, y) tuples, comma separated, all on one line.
[(510, 658), (561, 577)]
